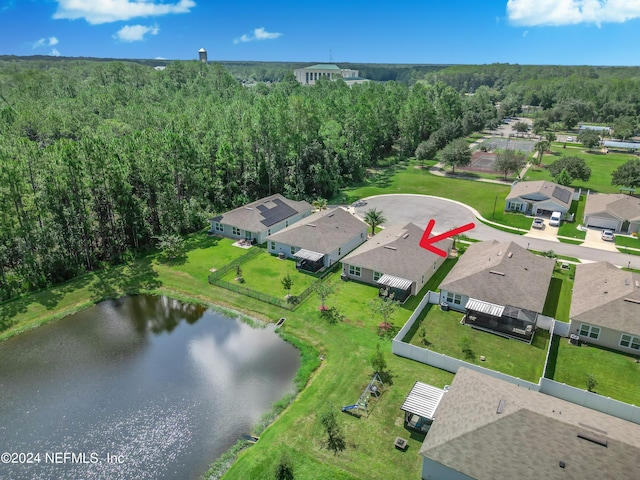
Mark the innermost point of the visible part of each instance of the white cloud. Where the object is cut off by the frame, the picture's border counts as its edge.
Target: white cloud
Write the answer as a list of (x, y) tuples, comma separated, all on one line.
[(258, 34), (54, 52), (45, 42), (106, 11), (571, 12), (135, 33)]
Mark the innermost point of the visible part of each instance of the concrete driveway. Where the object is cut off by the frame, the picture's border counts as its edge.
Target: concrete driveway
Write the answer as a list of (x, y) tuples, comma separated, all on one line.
[(594, 240), (547, 233), (449, 214)]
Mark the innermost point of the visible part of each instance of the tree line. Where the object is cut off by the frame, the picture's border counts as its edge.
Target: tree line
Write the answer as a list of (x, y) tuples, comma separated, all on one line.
[(100, 159)]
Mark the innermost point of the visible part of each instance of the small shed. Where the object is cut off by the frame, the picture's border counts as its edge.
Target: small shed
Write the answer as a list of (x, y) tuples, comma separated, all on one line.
[(420, 405)]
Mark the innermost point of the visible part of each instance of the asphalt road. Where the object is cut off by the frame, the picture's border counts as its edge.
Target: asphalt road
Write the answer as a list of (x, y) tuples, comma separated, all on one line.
[(449, 214)]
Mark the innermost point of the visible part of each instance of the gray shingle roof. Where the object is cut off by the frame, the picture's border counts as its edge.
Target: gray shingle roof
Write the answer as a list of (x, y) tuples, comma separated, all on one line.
[(259, 215), (322, 232), (621, 206), (396, 251), (607, 296), (529, 438), (550, 190), (502, 273)]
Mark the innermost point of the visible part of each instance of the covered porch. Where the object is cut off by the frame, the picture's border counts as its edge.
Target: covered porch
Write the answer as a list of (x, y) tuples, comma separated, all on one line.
[(309, 261), (506, 320), (399, 287), (420, 405)]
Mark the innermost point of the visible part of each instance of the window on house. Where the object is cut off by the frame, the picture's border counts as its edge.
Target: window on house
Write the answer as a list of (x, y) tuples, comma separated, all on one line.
[(589, 331), (292, 250), (353, 270), (376, 276), (339, 251), (422, 281), (435, 266), (286, 223), (629, 341), (273, 245), (454, 298), (236, 231), (268, 232), (219, 227)]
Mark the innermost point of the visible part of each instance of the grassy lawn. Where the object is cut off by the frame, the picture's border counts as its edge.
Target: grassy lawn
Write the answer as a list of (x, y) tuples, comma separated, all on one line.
[(444, 334), (406, 178), (558, 300), (627, 241), (263, 273), (601, 167), (570, 229), (616, 373)]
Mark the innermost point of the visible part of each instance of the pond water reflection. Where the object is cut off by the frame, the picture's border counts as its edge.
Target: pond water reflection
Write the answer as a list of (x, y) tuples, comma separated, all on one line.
[(162, 386)]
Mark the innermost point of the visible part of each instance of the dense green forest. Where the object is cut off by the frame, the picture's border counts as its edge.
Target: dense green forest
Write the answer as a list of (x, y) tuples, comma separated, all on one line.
[(98, 159)]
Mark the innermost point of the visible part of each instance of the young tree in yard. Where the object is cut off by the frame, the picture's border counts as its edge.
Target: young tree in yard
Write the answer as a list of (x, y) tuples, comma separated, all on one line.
[(509, 161), (456, 154), (550, 136), (374, 218), (319, 204), (575, 167), (284, 468), (287, 282), (324, 290), (563, 178), (627, 174), (378, 363), (171, 245), (335, 437), (589, 138), (592, 383), (384, 307)]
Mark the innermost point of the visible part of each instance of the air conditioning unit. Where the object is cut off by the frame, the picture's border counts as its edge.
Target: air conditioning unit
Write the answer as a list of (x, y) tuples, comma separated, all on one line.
[(444, 307)]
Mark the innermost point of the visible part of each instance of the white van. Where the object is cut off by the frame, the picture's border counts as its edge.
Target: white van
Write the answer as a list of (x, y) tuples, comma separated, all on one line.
[(554, 221)]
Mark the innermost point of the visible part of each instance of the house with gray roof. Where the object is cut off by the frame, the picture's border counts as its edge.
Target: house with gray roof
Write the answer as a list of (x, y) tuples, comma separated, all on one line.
[(539, 198), (257, 220), (605, 307), (320, 240), (394, 260), (616, 211), (488, 429), (501, 287)]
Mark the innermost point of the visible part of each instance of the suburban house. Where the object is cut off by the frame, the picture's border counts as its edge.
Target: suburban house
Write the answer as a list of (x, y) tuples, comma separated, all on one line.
[(309, 75), (257, 220), (489, 429), (501, 287), (616, 211), (539, 198), (394, 260), (320, 240), (605, 307)]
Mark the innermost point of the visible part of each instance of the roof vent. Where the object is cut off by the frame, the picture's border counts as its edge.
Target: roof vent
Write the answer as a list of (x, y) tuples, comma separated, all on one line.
[(593, 438), (637, 284), (626, 281), (248, 208), (510, 254), (632, 300), (500, 253), (330, 215), (501, 404), (390, 247), (562, 464), (311, 225), (497, 273), (406, 235)]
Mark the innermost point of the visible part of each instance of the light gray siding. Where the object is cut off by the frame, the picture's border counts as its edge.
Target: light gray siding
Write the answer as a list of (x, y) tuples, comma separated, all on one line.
[(432, 470)]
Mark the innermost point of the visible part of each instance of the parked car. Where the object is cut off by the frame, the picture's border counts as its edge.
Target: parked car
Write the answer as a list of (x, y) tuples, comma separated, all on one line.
[(608, 235), (555, 219), (538, 223), (569, 139)]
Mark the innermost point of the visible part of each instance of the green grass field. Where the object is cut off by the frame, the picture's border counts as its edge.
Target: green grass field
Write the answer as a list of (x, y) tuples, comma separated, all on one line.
[(444, 334), (616, 373), (601, 165)]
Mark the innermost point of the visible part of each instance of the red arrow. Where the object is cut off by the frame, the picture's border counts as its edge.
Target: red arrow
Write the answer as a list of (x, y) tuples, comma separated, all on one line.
[(426, 242)]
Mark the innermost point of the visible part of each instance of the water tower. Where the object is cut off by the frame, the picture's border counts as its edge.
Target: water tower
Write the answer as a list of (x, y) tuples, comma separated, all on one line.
[(202, 55)]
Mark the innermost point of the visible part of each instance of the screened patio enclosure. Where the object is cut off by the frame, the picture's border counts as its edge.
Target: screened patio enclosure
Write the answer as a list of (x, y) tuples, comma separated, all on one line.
[(420, 406), (309, 261), (506, 320), (399, 287)]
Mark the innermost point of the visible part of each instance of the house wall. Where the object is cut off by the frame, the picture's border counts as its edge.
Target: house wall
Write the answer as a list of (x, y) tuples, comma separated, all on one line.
[(603, 220), (516, 206), (549, 205), (608, 338), (454, 306), (432, 470), (262, 235)]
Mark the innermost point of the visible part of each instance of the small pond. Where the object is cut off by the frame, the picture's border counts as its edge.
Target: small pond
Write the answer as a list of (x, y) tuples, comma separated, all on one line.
[(142, 387)]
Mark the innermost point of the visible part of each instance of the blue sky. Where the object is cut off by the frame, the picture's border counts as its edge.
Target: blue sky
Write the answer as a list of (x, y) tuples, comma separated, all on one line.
[(565, 32)]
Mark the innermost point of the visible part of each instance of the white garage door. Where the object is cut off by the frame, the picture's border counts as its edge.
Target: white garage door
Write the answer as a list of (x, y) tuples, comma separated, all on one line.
[(602, 223)]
